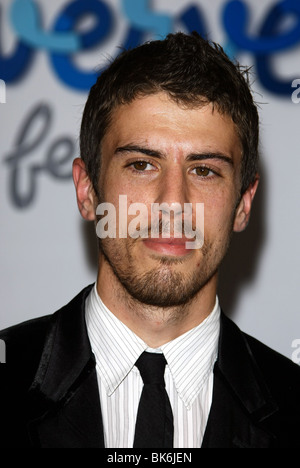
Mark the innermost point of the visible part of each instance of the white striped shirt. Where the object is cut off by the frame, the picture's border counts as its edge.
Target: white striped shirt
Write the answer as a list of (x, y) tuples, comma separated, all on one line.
[(188, 375)]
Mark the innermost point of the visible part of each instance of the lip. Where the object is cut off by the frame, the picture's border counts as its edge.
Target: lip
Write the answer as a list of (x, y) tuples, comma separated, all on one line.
[(168, 246)]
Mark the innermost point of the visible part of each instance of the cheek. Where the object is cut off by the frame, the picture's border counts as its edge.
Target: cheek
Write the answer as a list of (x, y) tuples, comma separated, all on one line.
[(219, 215), (132, 209), (113, 188)]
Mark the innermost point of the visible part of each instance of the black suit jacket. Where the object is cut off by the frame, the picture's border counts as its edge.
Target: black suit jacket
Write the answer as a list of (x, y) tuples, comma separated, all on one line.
[(49, 393)]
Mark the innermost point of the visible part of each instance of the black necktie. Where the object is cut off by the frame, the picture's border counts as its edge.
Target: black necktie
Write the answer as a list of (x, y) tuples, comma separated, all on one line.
[(154, 424)]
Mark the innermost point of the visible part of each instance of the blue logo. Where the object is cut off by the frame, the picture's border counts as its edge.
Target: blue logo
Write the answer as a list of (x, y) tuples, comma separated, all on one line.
[(62, 42), (271, 38)]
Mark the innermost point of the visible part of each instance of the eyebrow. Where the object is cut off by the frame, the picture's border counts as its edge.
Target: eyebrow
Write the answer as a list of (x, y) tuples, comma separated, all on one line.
[(210, 155), (140, 149), (201, 156)]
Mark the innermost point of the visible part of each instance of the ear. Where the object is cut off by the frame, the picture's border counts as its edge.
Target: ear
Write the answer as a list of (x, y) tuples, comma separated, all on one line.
[(243, 210), (84, 190)]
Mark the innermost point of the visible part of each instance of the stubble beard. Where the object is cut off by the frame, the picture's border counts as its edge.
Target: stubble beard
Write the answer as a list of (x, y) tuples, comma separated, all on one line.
[(163, 286)]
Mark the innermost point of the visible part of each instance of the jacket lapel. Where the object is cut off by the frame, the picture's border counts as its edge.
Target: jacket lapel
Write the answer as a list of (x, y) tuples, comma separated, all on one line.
[(64, 397), (64, 404), (241, 401)]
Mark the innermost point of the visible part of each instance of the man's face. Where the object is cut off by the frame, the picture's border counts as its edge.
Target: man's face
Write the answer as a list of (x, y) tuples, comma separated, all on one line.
[(156, 151)]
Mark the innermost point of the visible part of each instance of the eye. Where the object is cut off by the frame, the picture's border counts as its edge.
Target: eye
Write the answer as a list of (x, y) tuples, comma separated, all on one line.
[(141, 166), (203, 171)]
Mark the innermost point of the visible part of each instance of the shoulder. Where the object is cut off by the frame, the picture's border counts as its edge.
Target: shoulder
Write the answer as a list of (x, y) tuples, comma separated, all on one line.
[(25, 342), (269, 362), (282, 381), (280, 372), (281, 377), (22, 337), (244, 355), (23, 348), (266, 382)]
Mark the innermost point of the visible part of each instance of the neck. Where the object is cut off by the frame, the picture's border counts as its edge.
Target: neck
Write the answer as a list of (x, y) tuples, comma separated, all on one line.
[(154, 325)]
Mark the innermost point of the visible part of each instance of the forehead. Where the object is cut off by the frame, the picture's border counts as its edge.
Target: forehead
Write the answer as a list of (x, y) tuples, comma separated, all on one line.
[(158, 121)]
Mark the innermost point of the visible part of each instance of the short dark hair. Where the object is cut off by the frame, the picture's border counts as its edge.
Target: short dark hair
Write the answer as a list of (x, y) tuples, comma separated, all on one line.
[(193, 71)]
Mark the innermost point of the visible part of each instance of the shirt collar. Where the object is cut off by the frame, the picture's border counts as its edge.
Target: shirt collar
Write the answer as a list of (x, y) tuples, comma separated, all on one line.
[(115, 346), (190, 357)]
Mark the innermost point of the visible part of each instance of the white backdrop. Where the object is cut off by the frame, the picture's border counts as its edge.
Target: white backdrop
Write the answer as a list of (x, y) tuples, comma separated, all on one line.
[(48, 251)]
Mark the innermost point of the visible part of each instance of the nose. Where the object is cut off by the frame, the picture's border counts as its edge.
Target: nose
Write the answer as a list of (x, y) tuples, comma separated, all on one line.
[(172, 188)]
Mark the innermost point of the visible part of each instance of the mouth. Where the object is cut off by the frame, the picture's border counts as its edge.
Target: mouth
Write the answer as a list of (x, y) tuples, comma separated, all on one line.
[(169, 246)]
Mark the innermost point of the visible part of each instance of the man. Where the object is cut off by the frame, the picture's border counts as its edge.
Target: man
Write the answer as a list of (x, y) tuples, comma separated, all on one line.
[(171, 124)]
